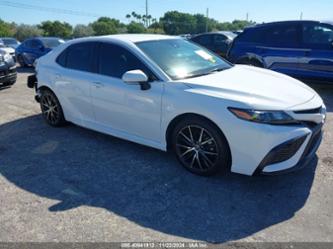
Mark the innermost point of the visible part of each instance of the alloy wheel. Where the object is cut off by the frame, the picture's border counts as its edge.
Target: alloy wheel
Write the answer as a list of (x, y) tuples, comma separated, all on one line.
[(197, 148), (50, 109)]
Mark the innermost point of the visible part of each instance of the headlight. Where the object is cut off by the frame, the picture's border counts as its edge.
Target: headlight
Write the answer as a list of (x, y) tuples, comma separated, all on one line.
[(7, 57), (266, 117)]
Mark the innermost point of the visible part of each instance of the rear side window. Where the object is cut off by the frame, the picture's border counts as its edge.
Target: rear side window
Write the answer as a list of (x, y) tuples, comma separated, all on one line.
[(203, 39), (62, 58), (79, 57), (219, 39), (282, 35), (114, 61)]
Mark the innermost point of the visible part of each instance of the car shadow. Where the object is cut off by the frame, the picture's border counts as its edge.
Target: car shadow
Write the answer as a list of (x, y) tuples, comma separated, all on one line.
[(78, 167)]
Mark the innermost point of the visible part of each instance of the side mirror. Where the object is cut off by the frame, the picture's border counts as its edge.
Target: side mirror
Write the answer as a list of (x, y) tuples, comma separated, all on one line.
[(41, 48), (137, 77)]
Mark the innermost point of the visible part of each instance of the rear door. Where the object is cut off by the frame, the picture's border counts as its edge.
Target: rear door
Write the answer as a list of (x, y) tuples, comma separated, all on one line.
[(281, 49), (73, 81), (317, 60)]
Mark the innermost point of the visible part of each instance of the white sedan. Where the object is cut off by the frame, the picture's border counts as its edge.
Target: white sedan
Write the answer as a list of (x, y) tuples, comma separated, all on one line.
[(170, 94)]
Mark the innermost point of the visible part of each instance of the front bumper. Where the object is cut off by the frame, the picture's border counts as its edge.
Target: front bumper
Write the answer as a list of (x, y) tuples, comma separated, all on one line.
[(306, 145), (8, 75)]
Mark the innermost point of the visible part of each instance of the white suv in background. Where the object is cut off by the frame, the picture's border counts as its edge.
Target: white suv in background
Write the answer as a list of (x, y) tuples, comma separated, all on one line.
[(168, 93)]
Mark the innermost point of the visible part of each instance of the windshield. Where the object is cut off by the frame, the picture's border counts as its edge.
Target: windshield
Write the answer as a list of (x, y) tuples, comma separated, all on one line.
[(52, 43), (181, 59), (9, 41)]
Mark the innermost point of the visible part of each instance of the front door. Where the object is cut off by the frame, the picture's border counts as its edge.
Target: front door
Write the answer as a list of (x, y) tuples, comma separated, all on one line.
[(125, 108)]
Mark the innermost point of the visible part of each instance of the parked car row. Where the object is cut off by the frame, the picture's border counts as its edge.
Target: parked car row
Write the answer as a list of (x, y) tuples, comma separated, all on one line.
[(31, 49), (25, 53), (301, 49)]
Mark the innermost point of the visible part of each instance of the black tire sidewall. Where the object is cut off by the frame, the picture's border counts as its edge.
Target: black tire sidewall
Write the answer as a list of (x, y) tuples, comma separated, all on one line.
[(61, 119), (223, 162)]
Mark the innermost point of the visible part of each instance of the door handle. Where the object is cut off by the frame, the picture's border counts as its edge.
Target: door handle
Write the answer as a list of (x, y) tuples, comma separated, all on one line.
[(98, 84)]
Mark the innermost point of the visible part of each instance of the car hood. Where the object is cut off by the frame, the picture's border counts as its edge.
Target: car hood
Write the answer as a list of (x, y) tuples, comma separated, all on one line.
[(7, 50), (253, 87)]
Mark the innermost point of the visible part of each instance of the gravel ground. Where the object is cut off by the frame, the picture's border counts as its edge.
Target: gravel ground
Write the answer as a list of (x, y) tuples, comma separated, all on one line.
[(75, 185)]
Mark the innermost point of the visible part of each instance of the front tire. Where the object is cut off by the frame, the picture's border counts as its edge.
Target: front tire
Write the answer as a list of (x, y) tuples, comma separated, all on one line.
[(200, 147), (51, 109), (21, 61)]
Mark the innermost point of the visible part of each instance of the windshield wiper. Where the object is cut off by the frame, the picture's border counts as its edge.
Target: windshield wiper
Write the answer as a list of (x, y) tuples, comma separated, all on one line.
[(217, 69)]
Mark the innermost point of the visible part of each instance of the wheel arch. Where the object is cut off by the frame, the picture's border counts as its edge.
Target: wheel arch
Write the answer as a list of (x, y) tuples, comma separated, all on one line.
[(252, 57), (172, 124)]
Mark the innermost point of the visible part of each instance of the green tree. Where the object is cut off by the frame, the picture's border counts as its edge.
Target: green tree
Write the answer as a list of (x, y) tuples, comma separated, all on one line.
[(82, 30), (6, 29), (175, 23), (107, 26), (24, 31), (56, 28), (135, 27)]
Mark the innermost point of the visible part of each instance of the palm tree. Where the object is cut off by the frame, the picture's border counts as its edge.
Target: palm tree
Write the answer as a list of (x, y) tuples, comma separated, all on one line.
[(128, 16)]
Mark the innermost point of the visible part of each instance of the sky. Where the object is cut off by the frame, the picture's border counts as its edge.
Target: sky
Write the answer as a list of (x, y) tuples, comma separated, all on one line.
[(86, 11)]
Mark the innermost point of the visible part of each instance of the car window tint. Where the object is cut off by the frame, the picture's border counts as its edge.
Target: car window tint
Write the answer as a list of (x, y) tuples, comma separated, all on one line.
[(204, 40), (34, 44), (219, 39), (317, 34), (62, 58), (114, 61), (80, 56), (255, 35), (281, 35), (27, 44)]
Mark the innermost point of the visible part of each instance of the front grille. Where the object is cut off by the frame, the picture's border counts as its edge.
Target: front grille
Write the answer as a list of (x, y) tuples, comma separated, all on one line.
[(310, 111), (283, 152)]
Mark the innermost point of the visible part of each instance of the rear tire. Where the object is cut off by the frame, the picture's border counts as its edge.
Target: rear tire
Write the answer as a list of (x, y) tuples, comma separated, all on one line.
[(51, 109), (201, 147)]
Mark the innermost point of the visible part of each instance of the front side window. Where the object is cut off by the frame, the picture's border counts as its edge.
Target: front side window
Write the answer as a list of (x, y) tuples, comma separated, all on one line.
[(80, 56), (115, 61), (318, 34), (181, 59), (282, 35)]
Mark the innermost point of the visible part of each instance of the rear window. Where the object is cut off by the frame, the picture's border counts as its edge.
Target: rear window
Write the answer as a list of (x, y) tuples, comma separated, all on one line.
[(52, 43)]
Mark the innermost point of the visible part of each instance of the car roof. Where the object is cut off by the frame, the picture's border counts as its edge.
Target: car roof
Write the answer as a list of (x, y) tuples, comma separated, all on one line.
[(139, 37), (125, 38), (229, 34), (284, 22)]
